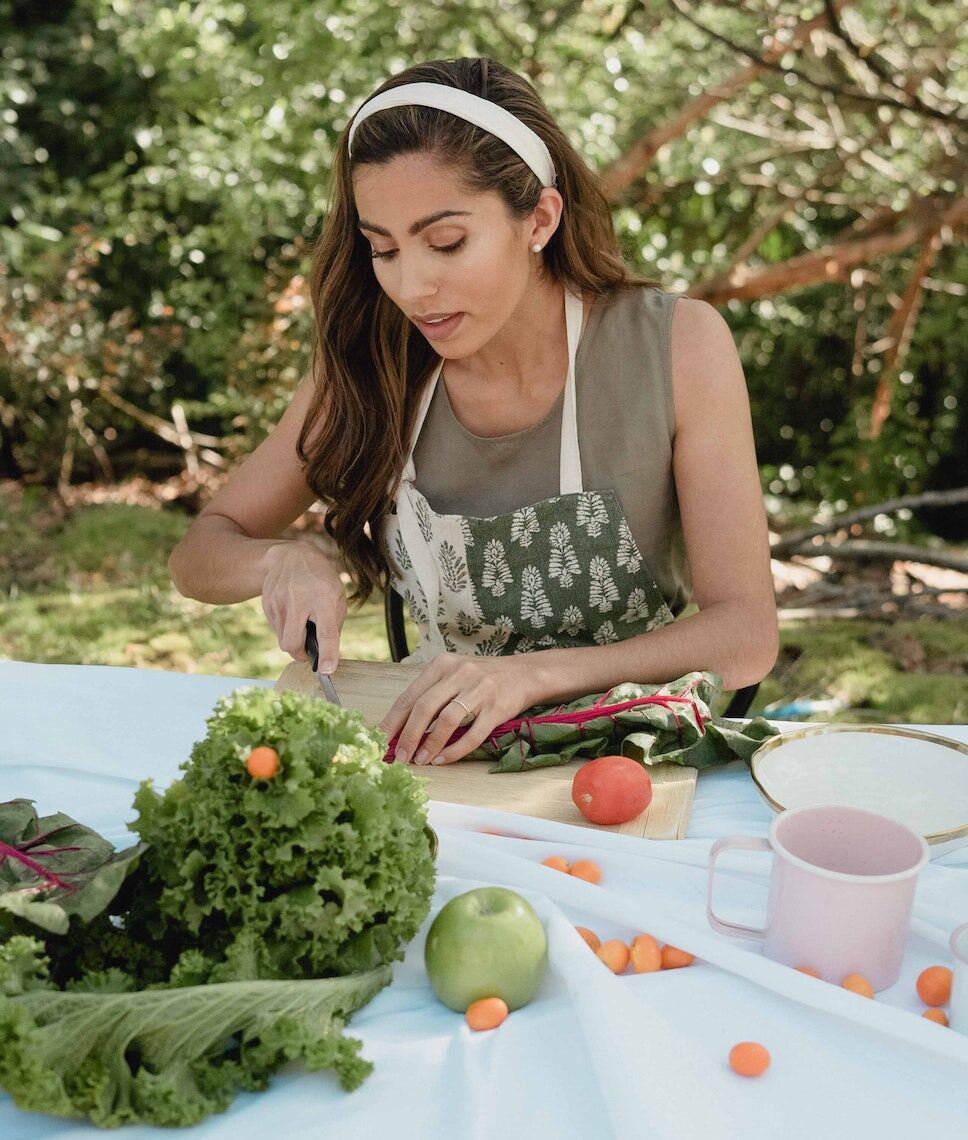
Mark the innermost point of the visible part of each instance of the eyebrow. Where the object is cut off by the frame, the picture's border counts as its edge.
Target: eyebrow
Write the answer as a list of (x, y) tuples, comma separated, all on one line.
[(417, 226)]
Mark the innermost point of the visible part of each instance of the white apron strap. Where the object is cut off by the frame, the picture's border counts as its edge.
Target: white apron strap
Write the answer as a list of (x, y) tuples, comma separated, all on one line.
[(570, 461), (421, 552)]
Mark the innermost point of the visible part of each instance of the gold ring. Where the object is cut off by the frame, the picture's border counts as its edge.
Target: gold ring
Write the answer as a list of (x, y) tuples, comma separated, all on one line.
[(470, 716)]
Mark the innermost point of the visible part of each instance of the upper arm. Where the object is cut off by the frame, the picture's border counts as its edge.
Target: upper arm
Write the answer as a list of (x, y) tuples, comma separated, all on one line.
[(268, 491), (715, 467)]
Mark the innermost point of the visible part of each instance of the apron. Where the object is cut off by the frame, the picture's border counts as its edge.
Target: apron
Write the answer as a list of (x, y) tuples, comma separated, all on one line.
[(562, 573)]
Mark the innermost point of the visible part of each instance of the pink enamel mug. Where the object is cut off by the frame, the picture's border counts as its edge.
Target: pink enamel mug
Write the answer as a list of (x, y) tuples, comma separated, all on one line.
[(841, 891)]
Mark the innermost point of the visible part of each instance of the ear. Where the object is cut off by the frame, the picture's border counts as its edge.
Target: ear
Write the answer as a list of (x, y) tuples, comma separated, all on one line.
[(547, 215)]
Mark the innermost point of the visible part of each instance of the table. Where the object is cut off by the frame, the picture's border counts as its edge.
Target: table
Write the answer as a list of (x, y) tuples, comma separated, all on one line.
[(594, 1055)]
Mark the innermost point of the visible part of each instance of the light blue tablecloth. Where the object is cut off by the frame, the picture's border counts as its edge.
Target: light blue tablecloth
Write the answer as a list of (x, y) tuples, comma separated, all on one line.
[(639, 1056)]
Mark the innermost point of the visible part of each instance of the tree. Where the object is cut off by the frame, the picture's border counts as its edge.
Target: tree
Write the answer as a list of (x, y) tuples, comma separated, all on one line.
[(801, 166)]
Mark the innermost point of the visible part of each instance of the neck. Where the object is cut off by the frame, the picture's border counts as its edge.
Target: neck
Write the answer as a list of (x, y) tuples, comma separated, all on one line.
[(527, 345)]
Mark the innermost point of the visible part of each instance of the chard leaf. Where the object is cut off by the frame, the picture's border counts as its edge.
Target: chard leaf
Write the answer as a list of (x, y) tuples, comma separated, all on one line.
[(54, 867), (167, 1056), (682, 731)]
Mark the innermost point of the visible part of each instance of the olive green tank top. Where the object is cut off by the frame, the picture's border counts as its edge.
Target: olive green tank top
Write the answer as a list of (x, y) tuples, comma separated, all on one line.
[(626, 426)]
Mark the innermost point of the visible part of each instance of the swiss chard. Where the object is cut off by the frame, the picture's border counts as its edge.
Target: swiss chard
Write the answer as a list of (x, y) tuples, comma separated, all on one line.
[(650, 723), (53, 867)]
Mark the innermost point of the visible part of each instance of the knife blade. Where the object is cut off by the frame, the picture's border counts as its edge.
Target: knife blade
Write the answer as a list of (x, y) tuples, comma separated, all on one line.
[(312, 648)]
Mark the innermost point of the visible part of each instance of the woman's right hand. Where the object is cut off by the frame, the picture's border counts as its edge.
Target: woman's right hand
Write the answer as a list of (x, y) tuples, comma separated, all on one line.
[(300, 584)]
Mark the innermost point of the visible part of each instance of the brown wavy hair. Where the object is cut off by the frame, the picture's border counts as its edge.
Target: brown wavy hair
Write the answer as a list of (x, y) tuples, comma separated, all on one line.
[(370, 362)]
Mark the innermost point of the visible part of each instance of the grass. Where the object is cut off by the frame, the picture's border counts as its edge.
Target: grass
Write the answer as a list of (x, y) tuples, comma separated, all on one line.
[(94, 589)]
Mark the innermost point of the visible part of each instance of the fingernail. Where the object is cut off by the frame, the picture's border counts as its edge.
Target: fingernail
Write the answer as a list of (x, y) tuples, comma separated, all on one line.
[(401, 755), (438, 760), (422, 756), (327, 666)]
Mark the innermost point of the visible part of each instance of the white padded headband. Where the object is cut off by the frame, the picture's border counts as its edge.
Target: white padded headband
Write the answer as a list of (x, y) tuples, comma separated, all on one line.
[(481, 112)]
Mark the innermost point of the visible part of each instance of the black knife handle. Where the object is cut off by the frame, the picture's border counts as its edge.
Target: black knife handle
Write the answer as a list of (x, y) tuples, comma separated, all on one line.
[(312, 646)]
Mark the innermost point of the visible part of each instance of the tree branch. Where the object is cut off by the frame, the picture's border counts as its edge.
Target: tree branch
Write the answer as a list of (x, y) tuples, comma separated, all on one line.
[(899, 331), (163, 429), (868, 58), (617, 176), (790, 543), (829, 263), (842, 163), (881, 99), (866, 550)]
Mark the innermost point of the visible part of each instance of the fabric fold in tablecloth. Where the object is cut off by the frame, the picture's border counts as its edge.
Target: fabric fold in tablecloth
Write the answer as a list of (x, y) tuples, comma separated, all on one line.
[(594, 1054)]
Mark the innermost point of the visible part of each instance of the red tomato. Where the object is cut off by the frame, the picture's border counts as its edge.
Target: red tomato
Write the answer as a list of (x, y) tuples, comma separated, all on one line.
[(611, 789)]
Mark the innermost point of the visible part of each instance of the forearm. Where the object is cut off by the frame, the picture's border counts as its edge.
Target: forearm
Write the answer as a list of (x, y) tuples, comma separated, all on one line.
[(217, 562), (720, 639)]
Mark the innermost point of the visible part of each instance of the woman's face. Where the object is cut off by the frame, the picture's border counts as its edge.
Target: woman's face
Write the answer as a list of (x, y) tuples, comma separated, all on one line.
[(474, 261)]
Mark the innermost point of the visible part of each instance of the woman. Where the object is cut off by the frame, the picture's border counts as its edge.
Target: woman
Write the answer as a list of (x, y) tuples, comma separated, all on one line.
[(545, 454)]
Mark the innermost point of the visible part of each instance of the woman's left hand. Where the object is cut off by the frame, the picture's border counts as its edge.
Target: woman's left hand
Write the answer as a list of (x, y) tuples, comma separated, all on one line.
[(493, 689)]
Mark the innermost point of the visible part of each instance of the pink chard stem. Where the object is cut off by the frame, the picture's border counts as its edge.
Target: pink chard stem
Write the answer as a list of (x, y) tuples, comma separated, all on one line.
[(8, 852)]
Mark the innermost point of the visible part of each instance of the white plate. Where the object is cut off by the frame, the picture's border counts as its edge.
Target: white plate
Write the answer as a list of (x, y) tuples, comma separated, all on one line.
[(914, 777)]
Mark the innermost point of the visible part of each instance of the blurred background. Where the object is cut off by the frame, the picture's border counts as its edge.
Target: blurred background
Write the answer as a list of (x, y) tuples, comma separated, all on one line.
[(163, 175)]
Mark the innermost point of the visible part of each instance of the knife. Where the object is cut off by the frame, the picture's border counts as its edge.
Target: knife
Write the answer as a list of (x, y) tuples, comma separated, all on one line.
[(312, 648)]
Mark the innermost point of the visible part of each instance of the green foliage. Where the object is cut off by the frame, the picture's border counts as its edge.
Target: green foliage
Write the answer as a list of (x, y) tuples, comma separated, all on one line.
[(651, 733), (93, 588), (166, 172)]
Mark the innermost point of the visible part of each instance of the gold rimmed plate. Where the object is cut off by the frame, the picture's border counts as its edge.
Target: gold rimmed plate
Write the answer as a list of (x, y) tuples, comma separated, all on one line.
[(915, 777)]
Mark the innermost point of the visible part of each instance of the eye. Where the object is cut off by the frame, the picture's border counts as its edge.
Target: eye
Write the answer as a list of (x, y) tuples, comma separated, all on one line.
[(440, 249)]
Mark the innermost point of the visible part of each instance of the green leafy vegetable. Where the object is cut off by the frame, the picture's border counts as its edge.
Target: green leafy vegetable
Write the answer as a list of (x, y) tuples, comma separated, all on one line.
[(166, 1056), (676, 727), (254, 917), (54, 867), (326, 869)]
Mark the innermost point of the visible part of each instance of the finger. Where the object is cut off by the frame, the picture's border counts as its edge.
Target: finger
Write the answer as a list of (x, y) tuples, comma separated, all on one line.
[(474, 737), (431, 706), (438, 735), (399, 712), (293, 637), (327, 641)]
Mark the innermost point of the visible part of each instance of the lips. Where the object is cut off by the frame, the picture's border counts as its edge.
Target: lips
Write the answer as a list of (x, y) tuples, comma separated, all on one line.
[(441, 329)]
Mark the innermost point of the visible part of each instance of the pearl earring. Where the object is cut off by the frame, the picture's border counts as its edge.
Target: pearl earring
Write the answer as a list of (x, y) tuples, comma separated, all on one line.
[(536, 248)]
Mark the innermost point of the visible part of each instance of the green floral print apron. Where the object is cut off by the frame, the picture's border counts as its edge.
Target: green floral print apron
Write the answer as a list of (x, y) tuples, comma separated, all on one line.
[(565, 572)]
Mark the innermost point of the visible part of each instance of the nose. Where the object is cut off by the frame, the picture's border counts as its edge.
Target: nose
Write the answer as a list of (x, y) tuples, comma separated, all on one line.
[(417, 280)]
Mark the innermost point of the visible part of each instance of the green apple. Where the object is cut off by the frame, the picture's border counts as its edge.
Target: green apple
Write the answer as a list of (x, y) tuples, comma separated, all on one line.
[(488, 942)]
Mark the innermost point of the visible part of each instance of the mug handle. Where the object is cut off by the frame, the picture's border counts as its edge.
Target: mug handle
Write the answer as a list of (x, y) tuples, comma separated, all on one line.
[(717, 849)]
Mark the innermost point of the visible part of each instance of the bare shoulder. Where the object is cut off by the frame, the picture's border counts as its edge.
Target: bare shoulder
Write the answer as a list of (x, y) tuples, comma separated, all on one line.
[(700, 336), (706, 369)]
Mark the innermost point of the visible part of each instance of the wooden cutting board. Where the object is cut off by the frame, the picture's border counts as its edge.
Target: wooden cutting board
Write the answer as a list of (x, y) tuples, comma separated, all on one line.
[(373, 686)]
